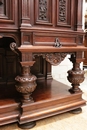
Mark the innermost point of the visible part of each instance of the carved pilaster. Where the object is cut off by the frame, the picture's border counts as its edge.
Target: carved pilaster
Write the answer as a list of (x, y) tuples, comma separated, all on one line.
[(75, 75)]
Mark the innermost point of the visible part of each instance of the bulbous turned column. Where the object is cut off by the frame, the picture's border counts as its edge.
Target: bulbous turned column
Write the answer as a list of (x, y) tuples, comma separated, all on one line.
[(75, 75), (26, 82)]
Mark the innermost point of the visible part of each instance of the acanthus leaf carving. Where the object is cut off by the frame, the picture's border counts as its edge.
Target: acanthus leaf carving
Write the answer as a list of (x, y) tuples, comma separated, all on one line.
[(42, 9)]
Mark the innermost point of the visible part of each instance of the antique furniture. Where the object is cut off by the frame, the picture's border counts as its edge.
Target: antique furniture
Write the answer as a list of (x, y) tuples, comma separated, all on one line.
[(35, 34)]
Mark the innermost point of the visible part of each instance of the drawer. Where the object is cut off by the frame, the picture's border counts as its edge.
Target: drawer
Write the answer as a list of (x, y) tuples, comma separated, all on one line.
[(49, 39)]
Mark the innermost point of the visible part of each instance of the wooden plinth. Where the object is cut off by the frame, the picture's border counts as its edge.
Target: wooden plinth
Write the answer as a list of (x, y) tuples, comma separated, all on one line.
[(51, 97)]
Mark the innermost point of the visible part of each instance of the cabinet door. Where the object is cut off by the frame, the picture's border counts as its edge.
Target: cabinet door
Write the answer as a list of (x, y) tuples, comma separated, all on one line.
[(8, 14), (43, 12)]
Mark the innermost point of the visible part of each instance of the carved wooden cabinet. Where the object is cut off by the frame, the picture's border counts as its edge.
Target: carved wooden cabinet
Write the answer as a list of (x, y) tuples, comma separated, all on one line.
[(35, 34)]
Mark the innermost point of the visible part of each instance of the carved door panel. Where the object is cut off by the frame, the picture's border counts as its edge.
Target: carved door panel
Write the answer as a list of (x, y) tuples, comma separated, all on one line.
[(43, 12), (65, 14), (8, 13)]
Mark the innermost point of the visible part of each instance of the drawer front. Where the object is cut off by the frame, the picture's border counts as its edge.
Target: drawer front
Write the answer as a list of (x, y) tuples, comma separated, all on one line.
[(49, 39)]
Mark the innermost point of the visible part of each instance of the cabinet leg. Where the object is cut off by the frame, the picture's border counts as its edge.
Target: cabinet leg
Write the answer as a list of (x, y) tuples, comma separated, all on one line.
[(76, 111), (75, 75), (26, 84), (27, 125)]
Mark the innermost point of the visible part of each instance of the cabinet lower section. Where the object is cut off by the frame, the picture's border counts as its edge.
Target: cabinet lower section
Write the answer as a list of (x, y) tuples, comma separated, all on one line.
[(51, 98)]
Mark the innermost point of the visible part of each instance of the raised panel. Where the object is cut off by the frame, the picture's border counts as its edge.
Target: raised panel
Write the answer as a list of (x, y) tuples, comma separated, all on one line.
[(26, 12), (26, 38), (43, 12), (65, 13), (9, 13)]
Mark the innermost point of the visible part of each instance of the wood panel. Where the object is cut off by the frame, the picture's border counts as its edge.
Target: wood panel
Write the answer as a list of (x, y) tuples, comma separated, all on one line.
[(9, 14)]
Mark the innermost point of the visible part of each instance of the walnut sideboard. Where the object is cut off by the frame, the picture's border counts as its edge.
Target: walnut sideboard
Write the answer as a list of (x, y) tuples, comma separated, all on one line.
[(35, 34)]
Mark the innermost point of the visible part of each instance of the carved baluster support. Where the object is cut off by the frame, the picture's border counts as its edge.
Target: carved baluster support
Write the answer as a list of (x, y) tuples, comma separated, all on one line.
[(75, 75), (26, 83)]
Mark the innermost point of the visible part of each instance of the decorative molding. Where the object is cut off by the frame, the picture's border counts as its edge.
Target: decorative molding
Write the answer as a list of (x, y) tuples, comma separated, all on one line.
[(43, 10), (62, 10)]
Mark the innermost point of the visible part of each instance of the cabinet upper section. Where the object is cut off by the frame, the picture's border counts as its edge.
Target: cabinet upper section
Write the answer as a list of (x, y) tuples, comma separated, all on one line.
[(47, 14), (56, 14)]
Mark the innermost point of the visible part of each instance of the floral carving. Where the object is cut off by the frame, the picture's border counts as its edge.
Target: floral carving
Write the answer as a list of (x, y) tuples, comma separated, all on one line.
[(55, 58), (42, 9), (62, 10), (52, 58)]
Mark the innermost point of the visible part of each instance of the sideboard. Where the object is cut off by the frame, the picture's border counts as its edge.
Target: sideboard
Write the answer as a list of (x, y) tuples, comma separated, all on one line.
[(35, 34)]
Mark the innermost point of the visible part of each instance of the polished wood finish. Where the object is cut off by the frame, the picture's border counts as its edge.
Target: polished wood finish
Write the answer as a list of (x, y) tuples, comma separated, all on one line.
[(35, 34), (85, 53)]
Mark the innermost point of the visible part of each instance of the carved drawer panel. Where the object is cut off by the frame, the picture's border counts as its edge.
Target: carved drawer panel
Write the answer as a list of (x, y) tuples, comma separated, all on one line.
[(50, 39)]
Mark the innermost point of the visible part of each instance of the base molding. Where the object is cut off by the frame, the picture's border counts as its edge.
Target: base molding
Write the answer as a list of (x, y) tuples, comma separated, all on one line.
[(50, 98)]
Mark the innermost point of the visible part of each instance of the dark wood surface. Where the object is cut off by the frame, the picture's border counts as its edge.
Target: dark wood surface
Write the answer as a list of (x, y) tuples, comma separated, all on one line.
[(48, 26), (51, 97)]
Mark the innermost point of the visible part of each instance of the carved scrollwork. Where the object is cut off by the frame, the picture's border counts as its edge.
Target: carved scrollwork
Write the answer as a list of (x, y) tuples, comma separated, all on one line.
[(42, 9), (13, 47), (56, 58), (52, 58), (62, 10)]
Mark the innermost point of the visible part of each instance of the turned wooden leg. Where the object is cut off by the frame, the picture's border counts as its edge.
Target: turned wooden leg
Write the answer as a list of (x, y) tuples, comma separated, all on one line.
[(75, 75), (26, 84)]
